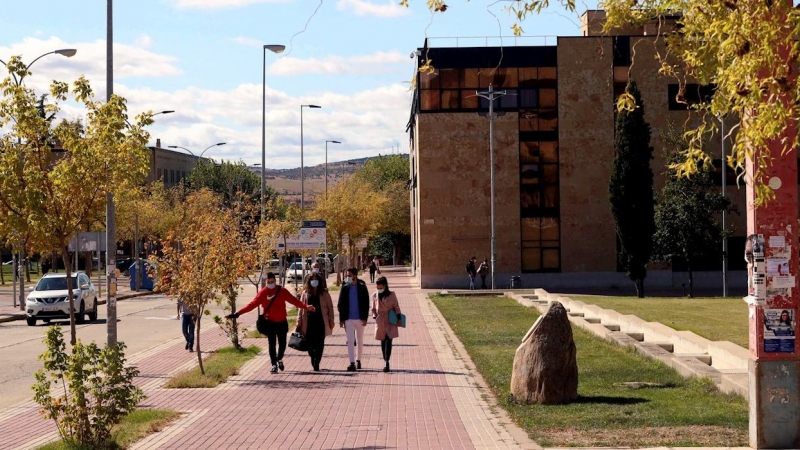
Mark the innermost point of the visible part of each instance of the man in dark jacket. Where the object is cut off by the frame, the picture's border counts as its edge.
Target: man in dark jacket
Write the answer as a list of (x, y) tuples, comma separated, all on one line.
[(353, 312)]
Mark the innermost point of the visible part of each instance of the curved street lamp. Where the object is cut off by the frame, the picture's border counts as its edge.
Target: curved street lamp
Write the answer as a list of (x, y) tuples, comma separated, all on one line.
[(274, 48), (201, 153), (302, 166), (68, 52)]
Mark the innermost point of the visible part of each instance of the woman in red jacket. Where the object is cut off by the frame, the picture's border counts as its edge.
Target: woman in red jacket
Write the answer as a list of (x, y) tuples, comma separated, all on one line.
[(273, 299)]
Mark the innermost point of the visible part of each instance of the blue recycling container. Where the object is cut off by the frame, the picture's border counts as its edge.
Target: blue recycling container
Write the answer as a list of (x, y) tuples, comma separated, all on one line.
[(147, 282)]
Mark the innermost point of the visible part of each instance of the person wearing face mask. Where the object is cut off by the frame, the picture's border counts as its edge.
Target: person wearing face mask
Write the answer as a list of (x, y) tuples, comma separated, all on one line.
[(384, 301), (353, 309), (272, 299), (315, 326)]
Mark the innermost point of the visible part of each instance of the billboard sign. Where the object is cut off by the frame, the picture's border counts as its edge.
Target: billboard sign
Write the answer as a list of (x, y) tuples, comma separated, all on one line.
[(310, 236)]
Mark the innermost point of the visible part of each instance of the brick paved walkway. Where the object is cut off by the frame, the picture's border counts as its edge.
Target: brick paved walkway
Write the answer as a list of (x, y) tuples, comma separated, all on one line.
[(429, 401)]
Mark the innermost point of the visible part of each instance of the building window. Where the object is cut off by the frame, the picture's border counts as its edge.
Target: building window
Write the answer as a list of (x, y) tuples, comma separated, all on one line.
[(539, 171), (683, 97), (622, 50)]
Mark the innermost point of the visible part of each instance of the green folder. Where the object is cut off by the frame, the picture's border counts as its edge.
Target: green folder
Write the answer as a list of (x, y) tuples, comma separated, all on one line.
[(394, 318)]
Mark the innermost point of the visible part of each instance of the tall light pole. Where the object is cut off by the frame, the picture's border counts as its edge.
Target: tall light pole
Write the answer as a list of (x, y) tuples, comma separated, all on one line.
[(274, 48), (326, 166), (491, 95), (111, 226), (20, 267), (724, 166), (302, 177)]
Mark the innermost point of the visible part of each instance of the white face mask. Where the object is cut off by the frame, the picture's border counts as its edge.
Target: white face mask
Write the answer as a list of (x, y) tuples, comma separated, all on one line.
[(348, 280), (315, 270), (380, 291), (271, 285), (314, 283)]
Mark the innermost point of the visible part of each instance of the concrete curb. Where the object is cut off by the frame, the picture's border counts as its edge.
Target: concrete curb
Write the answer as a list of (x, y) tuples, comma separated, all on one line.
[(21, 316)]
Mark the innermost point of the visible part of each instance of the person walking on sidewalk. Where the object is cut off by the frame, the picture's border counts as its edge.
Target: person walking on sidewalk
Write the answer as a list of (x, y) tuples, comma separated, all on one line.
[(315, 326), (273, 298), (373, 267), (483, 271), (353, 312), (384, 301), (186, 316), (472, 272)]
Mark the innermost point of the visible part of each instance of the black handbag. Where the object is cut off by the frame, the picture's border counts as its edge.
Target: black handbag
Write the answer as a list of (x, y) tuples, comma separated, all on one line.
[(262, 324), (298, 342)]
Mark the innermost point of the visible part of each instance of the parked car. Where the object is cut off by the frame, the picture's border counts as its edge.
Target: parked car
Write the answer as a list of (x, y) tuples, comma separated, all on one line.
[(48, 299), (295, 271)]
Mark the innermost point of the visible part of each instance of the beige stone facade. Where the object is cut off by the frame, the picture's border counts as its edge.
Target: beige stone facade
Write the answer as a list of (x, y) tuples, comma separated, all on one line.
[(450, 163)]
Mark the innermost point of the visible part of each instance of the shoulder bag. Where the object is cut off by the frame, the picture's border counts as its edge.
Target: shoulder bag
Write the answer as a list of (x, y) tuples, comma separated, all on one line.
[(261, 323)]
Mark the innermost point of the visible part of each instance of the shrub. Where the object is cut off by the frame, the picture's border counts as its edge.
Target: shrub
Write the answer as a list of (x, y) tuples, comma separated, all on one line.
[(86, 392)]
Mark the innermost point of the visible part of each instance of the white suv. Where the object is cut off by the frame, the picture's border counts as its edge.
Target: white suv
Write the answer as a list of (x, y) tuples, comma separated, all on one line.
[(48, 299)]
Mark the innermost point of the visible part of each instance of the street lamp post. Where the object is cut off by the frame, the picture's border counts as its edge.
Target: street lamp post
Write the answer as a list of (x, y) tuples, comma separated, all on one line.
[(491, 95), (302, 177), (111, 226), (724, 167), (274, 48), (20, 267), (326, 166)]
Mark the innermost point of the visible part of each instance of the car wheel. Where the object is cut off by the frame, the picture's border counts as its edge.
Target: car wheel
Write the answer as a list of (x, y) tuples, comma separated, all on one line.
[(93, 314), (80, 316), (31, 321)]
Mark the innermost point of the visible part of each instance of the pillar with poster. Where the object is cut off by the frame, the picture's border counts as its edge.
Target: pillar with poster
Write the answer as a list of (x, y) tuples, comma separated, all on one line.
[(772, 261)]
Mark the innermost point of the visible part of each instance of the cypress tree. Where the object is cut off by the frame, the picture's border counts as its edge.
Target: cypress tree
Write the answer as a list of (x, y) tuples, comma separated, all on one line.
[(630, 190)]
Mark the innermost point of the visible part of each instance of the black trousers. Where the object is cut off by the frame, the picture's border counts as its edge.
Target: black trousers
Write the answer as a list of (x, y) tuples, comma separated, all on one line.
[(483, 282), (277, 331), (386, 348), (316, 346)]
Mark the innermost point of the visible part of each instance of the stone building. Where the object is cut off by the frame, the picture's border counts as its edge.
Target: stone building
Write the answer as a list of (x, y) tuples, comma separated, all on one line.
[(169, 165), (554, 147)]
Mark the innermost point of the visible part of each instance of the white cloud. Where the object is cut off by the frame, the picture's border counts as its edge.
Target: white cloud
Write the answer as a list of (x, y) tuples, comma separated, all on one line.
[(249, 42), (220, 4), (130, 60), (390, 8), (376, 63), (144, 41)]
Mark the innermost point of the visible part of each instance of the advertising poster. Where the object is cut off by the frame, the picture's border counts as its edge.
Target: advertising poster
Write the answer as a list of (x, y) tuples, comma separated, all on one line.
[(311, 236), (778, 266), (756, 270), (779, 325)]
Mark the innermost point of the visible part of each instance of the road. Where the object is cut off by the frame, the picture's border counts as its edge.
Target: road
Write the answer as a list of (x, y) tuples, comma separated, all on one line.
[(143, 322)]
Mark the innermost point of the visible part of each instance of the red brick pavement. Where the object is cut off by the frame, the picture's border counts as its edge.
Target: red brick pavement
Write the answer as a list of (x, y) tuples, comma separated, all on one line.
[(411, 407)]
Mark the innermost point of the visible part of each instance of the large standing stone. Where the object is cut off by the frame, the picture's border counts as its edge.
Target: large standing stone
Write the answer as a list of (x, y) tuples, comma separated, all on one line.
[(545, 367)]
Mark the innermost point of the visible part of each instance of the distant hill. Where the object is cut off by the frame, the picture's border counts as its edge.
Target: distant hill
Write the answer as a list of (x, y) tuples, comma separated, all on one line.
[(286, 182)]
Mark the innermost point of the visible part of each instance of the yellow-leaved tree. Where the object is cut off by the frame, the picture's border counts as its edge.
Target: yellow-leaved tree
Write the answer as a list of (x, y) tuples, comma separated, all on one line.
[(196, 256), (54, 175), (351, 208)]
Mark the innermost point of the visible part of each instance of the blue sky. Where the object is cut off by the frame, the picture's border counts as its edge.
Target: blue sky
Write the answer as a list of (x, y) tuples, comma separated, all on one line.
[(202, 58)]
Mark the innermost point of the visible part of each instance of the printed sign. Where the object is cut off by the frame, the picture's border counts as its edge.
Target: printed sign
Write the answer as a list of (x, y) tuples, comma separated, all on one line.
[(779, 325), (311, 236), (756, 270), (777, 266)]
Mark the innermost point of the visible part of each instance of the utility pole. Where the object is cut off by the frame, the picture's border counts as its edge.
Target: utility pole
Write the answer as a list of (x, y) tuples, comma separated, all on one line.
[(724, 211), (111, 228), (491, 95)]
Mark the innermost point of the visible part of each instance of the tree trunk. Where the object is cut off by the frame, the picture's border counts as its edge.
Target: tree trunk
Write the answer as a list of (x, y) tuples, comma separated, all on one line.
[(28, 271), (88, 263), (67, 268), (234, 325), (2, 274), (197, 318), (639, 282)]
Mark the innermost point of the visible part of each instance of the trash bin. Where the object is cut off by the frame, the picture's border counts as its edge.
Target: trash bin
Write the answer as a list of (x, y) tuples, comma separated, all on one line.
[(147, 282), (516, 282)]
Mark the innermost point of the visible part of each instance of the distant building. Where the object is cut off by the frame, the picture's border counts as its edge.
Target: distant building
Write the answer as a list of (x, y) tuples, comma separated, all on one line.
[(169, 165), (554, 147)]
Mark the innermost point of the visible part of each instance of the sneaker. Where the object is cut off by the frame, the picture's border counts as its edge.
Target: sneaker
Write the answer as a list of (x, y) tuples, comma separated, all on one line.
[(274, 369), (191, 347), (186, 347), (386, 367), (280, 365), (351, 367), (358, 364)]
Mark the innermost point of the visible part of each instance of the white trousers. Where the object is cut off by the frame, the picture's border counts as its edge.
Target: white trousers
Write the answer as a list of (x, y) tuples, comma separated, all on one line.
[(355, 334)]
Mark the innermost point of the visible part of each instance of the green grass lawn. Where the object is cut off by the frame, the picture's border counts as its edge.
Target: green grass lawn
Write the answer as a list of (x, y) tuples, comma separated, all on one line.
[(132, 428), (219, 366), (681, 412), (714, 318)]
